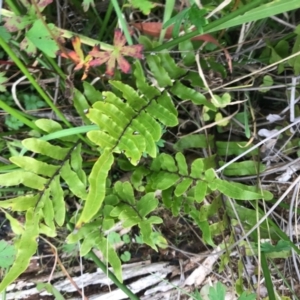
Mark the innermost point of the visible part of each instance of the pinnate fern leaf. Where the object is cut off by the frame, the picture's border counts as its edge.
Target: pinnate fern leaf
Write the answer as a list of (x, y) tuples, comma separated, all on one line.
[(133, 126)]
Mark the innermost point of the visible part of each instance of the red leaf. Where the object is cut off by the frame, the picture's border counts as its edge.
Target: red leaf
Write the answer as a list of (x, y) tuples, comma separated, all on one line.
[(116, 55), (77, 57)]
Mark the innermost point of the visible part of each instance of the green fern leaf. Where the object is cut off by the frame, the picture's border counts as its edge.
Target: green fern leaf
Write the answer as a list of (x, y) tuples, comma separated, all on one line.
[(132, 97), (75, 184), (48, 211), (171, 67), (160, 109), (185, 93), (159, 72), (76, 164), (137, 178), (97, 181), (146, 230), (181, 163), (48, 125), (200, 191), (28, 179), (243, 168), (194, 141), (125, 191), (163, 180), (57, 196), (197, 168), (43, 147), (149, 91), (167, 162), (21, 203), (147, 204), (239, 191), (127, 214), (183, 186), (34, 165), (26, 247), (15, 225)]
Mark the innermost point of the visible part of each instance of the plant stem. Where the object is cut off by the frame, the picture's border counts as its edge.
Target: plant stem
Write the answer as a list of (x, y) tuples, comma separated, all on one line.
[(111, 276), (210, 26), (32, 80)]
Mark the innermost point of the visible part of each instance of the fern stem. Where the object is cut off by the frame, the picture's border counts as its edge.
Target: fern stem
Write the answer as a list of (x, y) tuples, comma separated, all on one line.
[(111, 276)]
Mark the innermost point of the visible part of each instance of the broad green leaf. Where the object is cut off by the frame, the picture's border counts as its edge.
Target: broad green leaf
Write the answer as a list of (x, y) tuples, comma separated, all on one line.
[(217, 291), (185, 93), (26, 247), (7, 254), (43, 147), (22, 177), (57, 196), (239, 191), (158, 71), (167, 162), (33, 165), (40, 37), (243, 168), (197, 168), (97, 181), (144, 6), (281, 246), (48, 125), (75, 184), (194, 141), (183, 186), (147, 204), (181, 163), (200, 191), (21, 203), (221, 101)]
